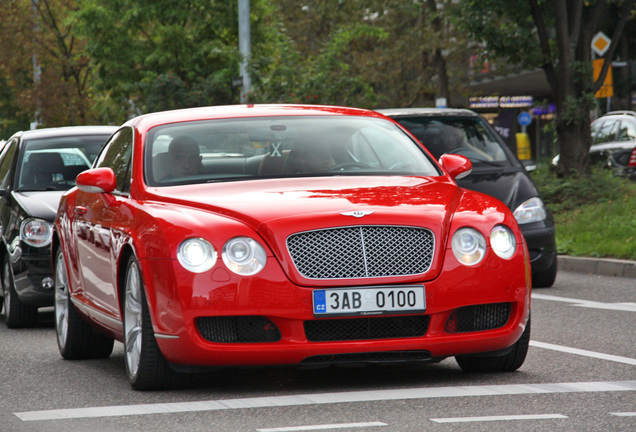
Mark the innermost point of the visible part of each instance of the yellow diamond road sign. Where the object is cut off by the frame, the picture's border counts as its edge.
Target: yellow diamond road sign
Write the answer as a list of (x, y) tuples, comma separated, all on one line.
[(600, 44)]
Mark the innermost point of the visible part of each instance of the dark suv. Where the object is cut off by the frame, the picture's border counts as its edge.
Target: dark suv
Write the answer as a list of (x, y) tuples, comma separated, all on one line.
[(496, 172)]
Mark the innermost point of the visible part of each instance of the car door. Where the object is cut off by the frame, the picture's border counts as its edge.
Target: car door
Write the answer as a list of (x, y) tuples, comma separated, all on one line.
[(97, 219)]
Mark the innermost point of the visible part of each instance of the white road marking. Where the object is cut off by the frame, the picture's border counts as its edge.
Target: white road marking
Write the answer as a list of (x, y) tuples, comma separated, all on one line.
[(624, 414), (581, 352), (499, 418), (625, 306), (328, 398), (322, 427)]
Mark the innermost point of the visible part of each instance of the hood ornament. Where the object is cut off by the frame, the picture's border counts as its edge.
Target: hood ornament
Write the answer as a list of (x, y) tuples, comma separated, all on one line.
[(356, 213)]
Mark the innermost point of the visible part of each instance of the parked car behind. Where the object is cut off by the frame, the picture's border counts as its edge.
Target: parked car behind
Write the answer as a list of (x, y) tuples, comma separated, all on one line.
[(614, 143), (36, 167), (496, 172), (278, 234)]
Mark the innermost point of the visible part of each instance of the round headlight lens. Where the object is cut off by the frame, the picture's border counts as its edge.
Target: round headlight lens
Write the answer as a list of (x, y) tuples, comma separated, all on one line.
[(503, 242), (469, 246), (244, 256), (36, 232), (196, 255)]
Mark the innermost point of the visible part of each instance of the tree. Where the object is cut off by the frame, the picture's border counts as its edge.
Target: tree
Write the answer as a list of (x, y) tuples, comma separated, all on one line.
[(367, 53), (165, 54), (45, 70), (556, 36)]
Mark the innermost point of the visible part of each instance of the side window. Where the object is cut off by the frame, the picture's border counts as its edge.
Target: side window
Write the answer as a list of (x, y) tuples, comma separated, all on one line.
[(606, 132), (117, 155), (6, 162), (626, 131)]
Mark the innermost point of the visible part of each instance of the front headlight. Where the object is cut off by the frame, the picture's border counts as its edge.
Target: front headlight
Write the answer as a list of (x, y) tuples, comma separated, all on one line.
[(531, 210), (469, 246), (244, 256), (196, 255), (503, 242), (36, 232)]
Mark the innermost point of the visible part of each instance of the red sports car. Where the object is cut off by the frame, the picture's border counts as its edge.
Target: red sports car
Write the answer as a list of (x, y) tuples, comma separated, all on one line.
[(279, 234)]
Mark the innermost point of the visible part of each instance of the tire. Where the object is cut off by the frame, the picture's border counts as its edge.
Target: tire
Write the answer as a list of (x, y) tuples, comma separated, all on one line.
[(504, 363), (146, 366), (17, 314), (546, 278), (76, 340)]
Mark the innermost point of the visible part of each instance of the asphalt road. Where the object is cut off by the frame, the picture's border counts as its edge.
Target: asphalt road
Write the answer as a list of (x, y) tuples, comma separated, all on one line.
[(580, 375)]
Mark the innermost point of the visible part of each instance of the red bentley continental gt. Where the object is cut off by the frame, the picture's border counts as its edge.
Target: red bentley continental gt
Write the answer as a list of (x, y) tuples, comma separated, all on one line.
[(284, 235)]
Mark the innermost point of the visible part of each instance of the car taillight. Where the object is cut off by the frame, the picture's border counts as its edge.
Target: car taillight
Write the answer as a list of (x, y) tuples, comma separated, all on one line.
[(632, 158)]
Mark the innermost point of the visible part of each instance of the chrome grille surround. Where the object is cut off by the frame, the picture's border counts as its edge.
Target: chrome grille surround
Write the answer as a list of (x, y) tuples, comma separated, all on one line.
[(365, 251)]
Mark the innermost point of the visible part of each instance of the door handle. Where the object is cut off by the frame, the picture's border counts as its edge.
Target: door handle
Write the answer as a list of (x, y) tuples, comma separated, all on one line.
[(80, 211)]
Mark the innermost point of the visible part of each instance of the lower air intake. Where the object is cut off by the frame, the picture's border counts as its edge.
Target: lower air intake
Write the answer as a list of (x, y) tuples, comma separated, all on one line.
[(366, 328), (238, 329), (478, 318)]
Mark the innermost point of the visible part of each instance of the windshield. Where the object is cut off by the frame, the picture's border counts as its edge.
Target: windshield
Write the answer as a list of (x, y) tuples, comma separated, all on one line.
[(464, 136), (53, 163), (252, 148)]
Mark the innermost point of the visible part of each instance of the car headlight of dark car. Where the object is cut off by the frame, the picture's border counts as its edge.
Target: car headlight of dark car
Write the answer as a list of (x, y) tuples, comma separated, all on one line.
[(196, 255), (532, 210), (36, 232), (244, 256)]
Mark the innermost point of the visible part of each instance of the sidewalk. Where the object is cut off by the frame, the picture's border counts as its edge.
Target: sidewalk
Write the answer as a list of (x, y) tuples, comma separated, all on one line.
[(599, 266)]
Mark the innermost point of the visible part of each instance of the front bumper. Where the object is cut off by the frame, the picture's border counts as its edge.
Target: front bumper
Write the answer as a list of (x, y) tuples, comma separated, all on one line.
[(540, 238), (33, 279), (178, 300)]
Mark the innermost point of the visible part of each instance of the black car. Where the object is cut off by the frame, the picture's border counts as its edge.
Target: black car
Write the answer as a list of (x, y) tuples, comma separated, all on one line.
[(36, 167), (496, 172)]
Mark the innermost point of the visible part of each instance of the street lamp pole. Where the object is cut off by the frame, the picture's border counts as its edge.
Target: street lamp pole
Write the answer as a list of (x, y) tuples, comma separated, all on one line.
[(244, 46)]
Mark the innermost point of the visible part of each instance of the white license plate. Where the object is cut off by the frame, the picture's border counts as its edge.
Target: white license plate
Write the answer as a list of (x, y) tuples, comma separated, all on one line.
[(369, 301)]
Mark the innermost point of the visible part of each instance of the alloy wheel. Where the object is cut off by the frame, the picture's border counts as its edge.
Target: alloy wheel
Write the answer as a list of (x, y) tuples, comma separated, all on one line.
[(61, 300), (133, 317)]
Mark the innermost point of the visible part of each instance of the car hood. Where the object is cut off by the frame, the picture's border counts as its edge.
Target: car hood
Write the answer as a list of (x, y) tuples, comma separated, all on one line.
[(277, 208), (277, 202), (41, 205), (510, 186)]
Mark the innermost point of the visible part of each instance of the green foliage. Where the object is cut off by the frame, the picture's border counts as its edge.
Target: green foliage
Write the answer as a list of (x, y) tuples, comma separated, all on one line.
[(506, 27), (594, 216), (328, 76), (144, 49)]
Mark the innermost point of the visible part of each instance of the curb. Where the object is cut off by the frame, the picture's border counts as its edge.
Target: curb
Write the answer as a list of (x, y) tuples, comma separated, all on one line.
[(599, 266)]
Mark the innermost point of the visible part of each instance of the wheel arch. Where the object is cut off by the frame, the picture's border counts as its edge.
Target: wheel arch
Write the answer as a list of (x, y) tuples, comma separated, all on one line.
[(122, 266)]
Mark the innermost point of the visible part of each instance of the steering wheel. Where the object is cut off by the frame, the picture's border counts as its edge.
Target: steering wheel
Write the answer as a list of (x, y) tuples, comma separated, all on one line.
[(346, 165)]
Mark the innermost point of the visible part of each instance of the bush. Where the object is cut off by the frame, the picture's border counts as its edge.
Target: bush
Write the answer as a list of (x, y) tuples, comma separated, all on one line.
[(594, 216)]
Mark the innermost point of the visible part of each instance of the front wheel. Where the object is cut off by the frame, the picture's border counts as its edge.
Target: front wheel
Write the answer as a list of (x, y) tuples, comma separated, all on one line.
[(75, 338), (503, 363), (146, 366), (17, 314)]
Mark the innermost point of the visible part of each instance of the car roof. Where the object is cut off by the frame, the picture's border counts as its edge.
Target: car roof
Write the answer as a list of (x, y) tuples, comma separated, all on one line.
[(66, 131), (147, 121), (432, 112), (623, 113)]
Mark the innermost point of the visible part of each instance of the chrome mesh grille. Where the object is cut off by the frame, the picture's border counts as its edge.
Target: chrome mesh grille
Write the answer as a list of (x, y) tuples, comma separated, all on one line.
[(362, 252)]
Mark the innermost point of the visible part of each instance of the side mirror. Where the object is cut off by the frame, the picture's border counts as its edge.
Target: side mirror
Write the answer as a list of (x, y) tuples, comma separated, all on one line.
[(457, 166), (529, 165), (97, 180)]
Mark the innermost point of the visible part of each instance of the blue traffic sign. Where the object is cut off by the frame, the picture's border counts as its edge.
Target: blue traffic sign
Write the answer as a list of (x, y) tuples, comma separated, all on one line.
[(524, 118)]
